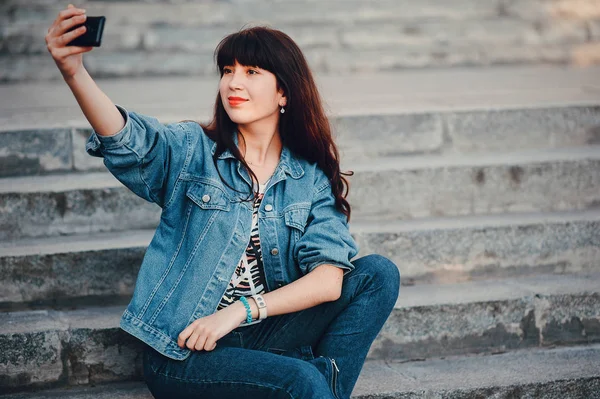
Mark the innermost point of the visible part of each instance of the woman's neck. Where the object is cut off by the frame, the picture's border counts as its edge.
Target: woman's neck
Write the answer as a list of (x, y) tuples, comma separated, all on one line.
[(259, 150)]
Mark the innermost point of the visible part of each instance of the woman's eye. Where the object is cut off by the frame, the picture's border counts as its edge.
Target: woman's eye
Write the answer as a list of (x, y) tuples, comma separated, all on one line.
[(252, 71), (226, 70)]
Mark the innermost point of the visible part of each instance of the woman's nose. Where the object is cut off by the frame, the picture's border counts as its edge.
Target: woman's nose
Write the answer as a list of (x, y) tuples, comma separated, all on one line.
[(236, 81)]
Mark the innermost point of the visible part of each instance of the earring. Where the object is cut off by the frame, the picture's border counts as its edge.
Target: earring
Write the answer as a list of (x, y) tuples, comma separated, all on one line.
[(282, 110)]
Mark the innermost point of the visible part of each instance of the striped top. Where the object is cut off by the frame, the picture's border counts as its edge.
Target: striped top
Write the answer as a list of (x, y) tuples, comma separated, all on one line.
[(249, 276)]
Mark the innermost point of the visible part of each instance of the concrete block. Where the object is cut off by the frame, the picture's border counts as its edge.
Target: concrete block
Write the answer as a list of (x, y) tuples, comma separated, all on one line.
[(108, 206), (44, 348), (30, 358), (421, 35), (513, 55), (463, 249), (517, 129), (549, 374), (407, 188), (513, 182), (141, 63), (371, 136), (30, 152), (568, 318), (489, 317), (66, 277)]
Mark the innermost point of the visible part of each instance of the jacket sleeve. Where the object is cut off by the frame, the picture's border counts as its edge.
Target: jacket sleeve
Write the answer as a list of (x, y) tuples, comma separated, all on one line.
[(326, 238), (146, 155)]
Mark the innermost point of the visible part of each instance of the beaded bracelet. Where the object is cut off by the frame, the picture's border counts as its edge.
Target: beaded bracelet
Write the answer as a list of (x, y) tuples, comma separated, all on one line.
[(248, 311)]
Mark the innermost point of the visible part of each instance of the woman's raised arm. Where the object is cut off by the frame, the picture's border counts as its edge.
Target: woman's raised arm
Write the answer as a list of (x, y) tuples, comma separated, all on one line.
[(99, 110), (142, 153)]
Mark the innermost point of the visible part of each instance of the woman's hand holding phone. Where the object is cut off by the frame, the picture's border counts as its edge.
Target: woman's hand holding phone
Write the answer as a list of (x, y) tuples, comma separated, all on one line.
[(68, 59)]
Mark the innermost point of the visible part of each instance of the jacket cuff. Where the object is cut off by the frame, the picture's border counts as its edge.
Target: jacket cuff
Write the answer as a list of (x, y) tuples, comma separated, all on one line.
[(346, 267), (97, 142)]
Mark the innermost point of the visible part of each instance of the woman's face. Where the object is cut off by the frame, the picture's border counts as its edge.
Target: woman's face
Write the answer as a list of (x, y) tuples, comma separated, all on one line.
[(250, 94)]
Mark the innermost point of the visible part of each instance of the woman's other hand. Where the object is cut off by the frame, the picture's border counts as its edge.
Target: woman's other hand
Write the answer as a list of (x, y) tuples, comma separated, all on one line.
[(69, 59), (204, 332)]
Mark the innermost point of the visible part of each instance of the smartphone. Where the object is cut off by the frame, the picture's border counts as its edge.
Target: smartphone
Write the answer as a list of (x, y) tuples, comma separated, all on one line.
[(93, 32)]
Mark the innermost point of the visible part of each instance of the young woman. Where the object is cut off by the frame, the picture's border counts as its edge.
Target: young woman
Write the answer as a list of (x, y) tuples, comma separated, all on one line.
[(247, 288)]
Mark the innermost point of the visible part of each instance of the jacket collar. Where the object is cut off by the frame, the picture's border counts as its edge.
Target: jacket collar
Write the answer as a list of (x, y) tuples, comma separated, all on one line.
[(288, 162)]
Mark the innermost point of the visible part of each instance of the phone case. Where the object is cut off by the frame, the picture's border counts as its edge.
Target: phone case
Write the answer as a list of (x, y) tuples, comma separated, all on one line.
[(93, 34)]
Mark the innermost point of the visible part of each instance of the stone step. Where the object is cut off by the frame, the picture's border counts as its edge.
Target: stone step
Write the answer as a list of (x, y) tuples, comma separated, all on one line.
[(557, 373), (359, 137), (391, 189), (416, 91), (432, 185), (455, 249), (80, 346), (165, 38), (452, 111), (42, 272)]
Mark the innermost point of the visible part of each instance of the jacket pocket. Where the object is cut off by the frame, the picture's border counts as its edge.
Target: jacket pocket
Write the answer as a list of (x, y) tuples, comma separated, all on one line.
[(296, 219), (208, 196)]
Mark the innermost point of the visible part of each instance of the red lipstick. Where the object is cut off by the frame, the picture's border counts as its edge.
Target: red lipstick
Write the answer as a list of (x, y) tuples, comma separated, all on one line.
[(233, 101)]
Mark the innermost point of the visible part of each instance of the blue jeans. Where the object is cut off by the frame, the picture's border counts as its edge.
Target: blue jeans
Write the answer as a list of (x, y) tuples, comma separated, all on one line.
[(314, 353)]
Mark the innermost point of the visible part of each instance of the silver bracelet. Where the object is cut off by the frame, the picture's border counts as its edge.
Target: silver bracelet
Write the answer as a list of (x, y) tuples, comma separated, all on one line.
[(262, 306)]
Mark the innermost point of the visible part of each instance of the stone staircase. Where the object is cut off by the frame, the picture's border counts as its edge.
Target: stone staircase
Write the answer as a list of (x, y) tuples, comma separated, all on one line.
[(177, 37), (482, 185)]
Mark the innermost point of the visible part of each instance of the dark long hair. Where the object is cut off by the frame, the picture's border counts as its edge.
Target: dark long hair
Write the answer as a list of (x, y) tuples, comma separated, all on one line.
[(303, 128)]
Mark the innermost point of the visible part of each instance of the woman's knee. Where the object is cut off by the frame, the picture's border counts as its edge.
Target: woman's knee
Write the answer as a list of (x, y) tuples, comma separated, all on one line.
[(384, 272)]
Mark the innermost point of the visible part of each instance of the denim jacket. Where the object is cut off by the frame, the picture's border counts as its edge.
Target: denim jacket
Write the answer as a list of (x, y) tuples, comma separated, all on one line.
[(204, 227)]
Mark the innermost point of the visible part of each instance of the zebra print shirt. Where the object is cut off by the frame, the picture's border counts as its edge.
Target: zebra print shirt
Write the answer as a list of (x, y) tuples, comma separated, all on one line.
[(249, 276)]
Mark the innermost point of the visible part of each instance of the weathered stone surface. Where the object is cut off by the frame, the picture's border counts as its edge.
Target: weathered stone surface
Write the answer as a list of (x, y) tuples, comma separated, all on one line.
[(359, 137), (489, 316), (554, 374), (102, 355), (481, 32), (443, 330), (43, 348), (135, 63), (59, 270), (370, 136), (464, 90), (402, 188), (428, 321), (30, 358), (103, 206), (404, 34), (235, 14), (30, 152), (569, 318), (500, 130), (447, 250), (68, 277), (397, 385), (486, 184)]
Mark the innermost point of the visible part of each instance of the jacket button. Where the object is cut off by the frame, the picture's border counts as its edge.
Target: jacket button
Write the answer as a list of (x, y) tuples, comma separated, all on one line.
[(269, 207), (206, 198), (274, 251)]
